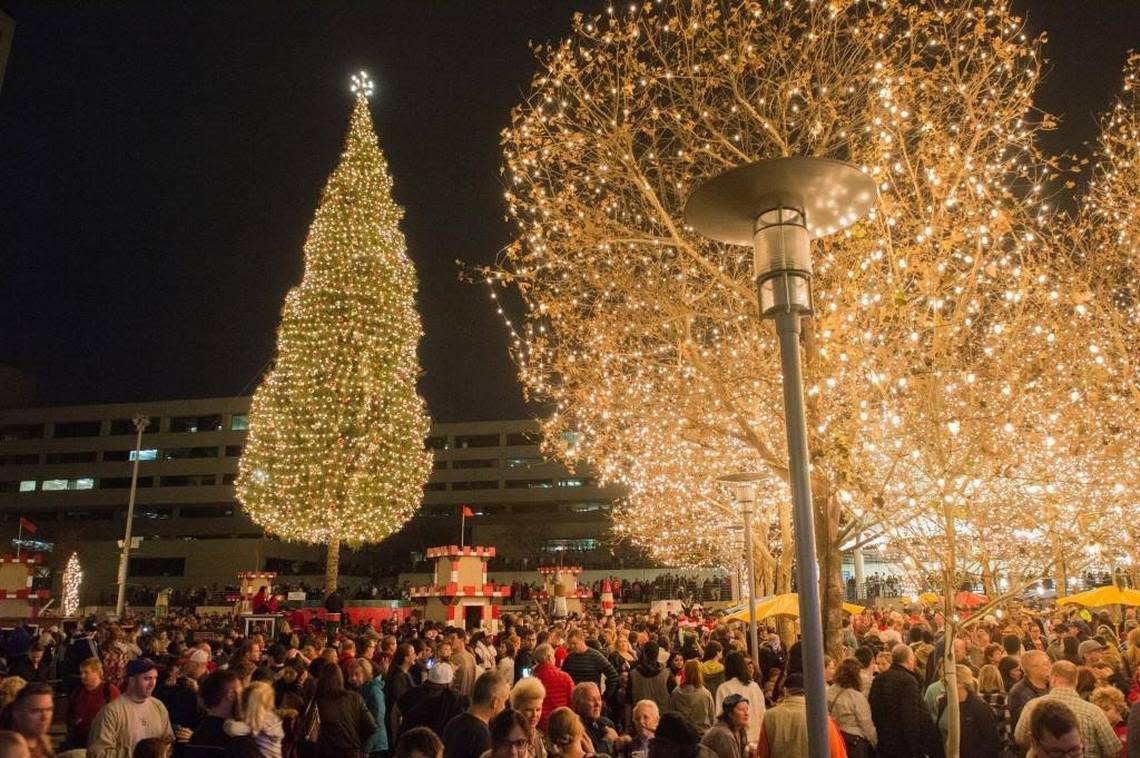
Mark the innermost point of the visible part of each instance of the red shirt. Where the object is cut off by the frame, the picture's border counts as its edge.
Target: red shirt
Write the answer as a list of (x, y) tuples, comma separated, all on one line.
[(82, 707)]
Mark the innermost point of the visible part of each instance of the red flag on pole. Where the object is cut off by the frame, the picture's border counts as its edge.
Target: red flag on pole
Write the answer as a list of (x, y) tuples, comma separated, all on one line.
[(467, 512), (27, 525)]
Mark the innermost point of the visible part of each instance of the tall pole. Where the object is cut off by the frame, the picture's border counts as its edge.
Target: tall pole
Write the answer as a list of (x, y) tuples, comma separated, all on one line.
[(141, 423), (747, 504), (777, 207), (807, 581)]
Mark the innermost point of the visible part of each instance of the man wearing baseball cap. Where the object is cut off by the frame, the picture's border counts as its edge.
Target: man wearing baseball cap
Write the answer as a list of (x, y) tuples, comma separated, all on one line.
[(433, 703), (133, 717)]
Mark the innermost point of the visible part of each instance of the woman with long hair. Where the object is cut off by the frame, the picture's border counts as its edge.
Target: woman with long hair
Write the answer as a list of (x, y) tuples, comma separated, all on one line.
[(991, 689), (618, 699), (977, 727), (738, 681), (565, 735), (346, 723), (692, 700), (851, 710), (259, 720), (1131, 655)]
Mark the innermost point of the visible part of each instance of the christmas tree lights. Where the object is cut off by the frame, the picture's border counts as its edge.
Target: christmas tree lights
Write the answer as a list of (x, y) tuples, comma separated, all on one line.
[(953, 359), (72, 581), (336, 440)]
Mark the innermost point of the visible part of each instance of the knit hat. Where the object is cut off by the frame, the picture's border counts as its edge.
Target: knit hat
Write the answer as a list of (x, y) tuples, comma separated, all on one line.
[(198, 655)]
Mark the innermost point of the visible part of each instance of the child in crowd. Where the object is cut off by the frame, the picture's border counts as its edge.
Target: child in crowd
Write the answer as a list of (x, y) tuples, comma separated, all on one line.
[(260, 720)]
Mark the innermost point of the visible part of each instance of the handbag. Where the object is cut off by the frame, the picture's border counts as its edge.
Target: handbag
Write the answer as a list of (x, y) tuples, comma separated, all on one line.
[(857, 747)]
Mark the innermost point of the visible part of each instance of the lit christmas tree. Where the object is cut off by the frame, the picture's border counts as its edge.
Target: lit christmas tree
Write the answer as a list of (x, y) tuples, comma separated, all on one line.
[(72, 581), (336, 440)]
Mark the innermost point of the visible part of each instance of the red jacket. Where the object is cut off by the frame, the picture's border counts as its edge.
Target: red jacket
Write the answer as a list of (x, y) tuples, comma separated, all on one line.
[(558, 686)]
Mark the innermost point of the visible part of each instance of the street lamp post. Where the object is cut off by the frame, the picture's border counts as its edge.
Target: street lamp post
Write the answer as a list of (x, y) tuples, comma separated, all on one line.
[(777, 206), (743, 486), (141, 423)]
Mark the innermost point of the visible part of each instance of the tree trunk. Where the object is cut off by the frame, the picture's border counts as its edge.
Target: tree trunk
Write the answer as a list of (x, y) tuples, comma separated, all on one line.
[(831, 589), (332, 564), (787, 552), (949, 672), (1060, 576)]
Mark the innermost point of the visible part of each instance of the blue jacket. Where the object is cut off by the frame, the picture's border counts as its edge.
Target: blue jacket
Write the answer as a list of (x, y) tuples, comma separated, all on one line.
[(373, 694)]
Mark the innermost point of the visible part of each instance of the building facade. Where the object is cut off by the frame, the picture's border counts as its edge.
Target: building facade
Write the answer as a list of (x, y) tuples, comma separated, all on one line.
[(68, 471)]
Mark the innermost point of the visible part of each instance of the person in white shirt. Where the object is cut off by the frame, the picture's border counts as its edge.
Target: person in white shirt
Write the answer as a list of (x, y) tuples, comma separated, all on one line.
[(135, 716), (738, 681)]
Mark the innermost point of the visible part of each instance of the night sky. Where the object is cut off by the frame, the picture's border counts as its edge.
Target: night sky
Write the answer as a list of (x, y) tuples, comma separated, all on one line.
[(160, 164)]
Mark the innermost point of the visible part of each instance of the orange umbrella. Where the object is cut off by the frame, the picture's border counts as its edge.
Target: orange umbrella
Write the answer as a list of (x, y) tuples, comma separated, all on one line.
[(969, 600)]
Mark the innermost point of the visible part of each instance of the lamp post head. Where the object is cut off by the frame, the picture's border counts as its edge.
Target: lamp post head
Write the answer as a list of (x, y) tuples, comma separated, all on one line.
[(778, 206), (141, 421), (742, 485)]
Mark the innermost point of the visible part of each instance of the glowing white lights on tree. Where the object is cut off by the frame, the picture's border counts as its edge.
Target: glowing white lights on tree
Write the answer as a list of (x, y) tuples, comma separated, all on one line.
[(72, 579)]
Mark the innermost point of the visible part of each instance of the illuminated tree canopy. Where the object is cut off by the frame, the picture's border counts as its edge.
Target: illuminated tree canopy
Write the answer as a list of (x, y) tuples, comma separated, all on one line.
[(946, 366)]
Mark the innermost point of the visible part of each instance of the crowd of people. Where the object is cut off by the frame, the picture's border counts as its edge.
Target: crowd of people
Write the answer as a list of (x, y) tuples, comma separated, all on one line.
[(643, 685)]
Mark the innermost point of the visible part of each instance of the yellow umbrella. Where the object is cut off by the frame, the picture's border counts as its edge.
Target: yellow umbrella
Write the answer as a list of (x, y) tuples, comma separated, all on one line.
[(930, 598), (787, 604), (1102, 596)]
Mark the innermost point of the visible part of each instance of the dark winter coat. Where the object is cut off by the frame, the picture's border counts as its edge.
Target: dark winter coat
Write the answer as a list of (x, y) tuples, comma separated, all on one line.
[(900, 717)]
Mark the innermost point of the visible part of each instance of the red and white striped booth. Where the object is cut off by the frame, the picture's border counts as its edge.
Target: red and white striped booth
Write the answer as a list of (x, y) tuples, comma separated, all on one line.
[(561, 590), (17, 598)]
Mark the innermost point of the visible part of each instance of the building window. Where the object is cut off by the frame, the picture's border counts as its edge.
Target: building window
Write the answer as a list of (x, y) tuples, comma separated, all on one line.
[(27, 485), (20, 459), (154, 514), (77, 429), (206, 511), (518, 439), (13, 432), (233, 451), (150, 454), (239, 422), (529, 484), (574, 482), (158, 567), (189, 480), (73, 457), (476, 440), (478, 463), (435, 487), (565, 546), (58, 485), (436, 443), (99, 514), (178, 453), (123, 482), (439, 465), (127, 426), (196, 423), (491, 485), (229, 478), (530, 460)]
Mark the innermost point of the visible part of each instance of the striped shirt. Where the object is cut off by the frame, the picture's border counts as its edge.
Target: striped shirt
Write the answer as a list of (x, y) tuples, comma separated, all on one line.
[(1099, 739)]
